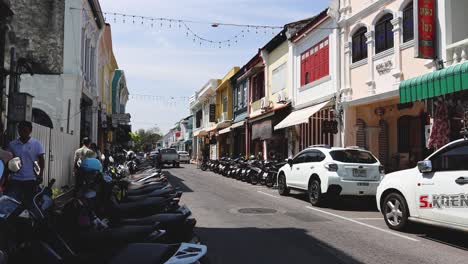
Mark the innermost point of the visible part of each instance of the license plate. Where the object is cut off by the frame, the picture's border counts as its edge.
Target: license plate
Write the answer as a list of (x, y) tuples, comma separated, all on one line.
[(359, 173), (265, 174), (243, 171), (362, 184)]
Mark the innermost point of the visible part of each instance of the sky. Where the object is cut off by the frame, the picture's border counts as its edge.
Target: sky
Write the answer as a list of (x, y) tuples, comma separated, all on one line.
[(164, 62)]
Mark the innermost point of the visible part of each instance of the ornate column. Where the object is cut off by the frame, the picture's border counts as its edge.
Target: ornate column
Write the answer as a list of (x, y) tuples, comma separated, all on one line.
[(370, 62), (396, 72)]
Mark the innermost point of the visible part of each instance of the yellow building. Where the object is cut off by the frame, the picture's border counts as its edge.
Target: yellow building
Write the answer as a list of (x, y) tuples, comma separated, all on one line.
[(224, 112), (107, 66)]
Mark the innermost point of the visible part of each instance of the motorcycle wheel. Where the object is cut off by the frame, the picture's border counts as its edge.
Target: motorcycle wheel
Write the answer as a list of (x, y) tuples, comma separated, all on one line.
[(253, 178), (203, 167)]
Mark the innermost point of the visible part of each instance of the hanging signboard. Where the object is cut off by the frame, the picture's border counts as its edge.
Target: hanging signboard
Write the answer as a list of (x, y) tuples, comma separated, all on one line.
[(424, 28), (212, 113)]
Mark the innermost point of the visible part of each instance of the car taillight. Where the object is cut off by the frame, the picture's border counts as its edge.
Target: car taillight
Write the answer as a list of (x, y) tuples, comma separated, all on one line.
[(331, 166), (381, 169)]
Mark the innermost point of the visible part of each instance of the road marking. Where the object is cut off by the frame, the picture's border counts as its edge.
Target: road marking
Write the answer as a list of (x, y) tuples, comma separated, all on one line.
[(368, 218), (363, 224), (274, 196)]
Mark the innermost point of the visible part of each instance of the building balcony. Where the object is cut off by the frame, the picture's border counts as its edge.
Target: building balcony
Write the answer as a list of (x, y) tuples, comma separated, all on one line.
[(457, 52)]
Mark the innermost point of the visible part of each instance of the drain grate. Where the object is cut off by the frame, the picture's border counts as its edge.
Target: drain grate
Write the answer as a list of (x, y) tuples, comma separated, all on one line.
[(257, 211)]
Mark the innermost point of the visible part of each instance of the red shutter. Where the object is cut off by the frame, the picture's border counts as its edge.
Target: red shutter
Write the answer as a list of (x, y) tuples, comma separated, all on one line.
[(316, 67), (302, 72), (326, 60), (312, 63)]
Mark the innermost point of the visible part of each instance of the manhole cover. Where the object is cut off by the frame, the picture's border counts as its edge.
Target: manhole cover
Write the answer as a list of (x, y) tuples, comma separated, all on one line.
[(256, 211)]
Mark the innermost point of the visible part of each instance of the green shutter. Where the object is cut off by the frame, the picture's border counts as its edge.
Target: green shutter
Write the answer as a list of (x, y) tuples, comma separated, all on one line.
[(449, 80)]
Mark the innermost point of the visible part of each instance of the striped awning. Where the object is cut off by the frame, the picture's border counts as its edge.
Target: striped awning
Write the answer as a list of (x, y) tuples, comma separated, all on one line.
[(449, 80)]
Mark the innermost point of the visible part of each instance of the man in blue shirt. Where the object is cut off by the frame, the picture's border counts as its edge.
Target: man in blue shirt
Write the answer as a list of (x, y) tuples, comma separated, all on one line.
[(23, 183)]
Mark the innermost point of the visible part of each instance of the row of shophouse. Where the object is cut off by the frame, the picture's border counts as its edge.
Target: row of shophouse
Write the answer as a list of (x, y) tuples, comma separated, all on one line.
[(385, 75), (180, 136), (77, 87)]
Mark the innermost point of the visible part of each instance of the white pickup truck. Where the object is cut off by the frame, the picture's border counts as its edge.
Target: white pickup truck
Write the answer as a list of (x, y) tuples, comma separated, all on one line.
[(170, 156)]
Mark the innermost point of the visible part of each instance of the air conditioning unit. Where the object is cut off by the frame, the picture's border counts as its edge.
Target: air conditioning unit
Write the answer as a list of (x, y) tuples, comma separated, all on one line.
[(263, 103), (282, 98)]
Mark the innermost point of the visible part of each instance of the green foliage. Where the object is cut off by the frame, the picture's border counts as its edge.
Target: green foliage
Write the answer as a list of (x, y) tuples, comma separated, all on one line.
[(145, 140)]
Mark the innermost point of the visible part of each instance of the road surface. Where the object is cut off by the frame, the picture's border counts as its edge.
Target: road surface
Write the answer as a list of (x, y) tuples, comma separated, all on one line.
[(241, 223)]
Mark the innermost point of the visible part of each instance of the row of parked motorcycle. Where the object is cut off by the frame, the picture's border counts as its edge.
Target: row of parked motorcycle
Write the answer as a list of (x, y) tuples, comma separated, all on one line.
[(253, 170), (113, 216)]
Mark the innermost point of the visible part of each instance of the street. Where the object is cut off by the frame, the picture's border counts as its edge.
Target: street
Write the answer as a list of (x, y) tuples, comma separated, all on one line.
[(242, 223)]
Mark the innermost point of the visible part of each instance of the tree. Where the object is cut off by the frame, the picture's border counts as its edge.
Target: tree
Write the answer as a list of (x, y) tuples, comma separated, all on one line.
[(145, 140)]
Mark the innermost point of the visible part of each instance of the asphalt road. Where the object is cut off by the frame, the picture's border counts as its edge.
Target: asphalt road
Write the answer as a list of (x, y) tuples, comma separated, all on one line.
[(242, 223)]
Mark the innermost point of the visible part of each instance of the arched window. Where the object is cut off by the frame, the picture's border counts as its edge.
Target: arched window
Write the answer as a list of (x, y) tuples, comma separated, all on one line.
[(384, 33), (359, 45), (41, 118), (408, 23)]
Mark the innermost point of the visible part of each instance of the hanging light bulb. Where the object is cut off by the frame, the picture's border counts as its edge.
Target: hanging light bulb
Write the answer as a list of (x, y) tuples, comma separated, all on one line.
[(152, 22), (142, 19), (124, 19), (170, 23), (161, 22), (180, 24), (115, 18), (133, 19)]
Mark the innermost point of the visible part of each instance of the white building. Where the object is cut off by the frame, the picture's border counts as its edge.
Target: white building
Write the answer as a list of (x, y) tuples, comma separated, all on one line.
[(313, 67), (69, 98), (200, 104)]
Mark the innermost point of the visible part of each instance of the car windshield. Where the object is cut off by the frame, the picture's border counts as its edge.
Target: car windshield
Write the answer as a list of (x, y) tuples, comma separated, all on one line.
[(353, 156), (168, 151), (183, 153)]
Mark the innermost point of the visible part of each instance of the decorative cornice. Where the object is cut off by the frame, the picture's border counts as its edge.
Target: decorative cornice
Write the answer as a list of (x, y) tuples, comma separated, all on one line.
[(372, 8), (396, 22), (370, 36)]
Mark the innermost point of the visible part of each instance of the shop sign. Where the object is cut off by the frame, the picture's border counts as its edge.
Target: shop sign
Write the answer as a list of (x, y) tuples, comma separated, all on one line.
[(425, 29), (329, 126), (384, 67), (212, 113), (177, 134)]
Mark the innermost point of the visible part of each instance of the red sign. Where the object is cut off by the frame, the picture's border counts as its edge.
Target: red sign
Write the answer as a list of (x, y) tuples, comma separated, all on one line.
[(426, 29), (177, 134)]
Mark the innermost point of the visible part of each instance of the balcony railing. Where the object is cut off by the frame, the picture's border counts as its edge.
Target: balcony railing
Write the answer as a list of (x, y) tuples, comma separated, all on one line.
[(457, 52)]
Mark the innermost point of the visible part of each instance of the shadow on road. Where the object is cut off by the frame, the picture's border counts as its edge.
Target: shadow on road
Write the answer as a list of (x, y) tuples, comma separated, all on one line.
[(254, 245), (177, 182), (441, 235), (346, 203)]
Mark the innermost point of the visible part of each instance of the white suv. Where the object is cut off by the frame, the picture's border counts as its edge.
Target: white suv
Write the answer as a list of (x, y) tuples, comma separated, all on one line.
[(324, 171), (435, 192)]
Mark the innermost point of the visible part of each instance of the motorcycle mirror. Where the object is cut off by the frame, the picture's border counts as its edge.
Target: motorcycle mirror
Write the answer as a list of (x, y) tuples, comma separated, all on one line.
[(111, 159), (103, 157), (290, 161)]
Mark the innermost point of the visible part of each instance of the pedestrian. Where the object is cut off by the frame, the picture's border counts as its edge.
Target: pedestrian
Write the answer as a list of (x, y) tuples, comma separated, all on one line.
[(84, 152), (95, 148), (23, 183)]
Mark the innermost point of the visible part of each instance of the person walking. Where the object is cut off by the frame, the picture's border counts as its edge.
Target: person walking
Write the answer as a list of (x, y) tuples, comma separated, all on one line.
[(23, 183)]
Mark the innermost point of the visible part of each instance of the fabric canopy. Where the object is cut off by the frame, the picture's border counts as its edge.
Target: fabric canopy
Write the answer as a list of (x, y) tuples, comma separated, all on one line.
[(300, 116), (224, 131), (199, 133), (238, 124), (449, 80)]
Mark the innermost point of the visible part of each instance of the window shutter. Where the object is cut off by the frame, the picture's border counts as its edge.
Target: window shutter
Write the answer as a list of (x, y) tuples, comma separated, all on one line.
[(302, 72), (326, 61)]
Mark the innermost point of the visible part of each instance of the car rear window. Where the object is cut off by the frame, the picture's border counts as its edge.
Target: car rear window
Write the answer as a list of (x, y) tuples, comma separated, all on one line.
[(353, 156), (168, 151)]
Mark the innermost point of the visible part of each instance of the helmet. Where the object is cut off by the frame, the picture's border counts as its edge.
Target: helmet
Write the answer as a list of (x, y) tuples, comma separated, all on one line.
[(131, 155), (91, 165), (14, 165)]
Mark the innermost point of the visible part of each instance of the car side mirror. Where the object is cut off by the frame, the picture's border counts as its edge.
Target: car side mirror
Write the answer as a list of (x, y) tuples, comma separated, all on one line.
[(290, 162), (425, 166)]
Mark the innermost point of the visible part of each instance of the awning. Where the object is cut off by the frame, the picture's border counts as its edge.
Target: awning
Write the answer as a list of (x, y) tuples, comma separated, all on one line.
[(224, 131), (300, 116), (448, 80), (238, 124), (199, 133)]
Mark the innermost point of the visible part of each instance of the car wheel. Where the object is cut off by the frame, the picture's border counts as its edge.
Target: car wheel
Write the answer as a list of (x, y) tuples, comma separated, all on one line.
[(395, 211), (282, 187), (316, 197)]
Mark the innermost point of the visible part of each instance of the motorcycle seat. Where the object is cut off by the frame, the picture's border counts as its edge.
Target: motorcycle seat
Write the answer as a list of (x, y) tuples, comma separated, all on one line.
[(145, 190), (156, 193), (144, 253), (118, 235), (163, 219), (141, 208)]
